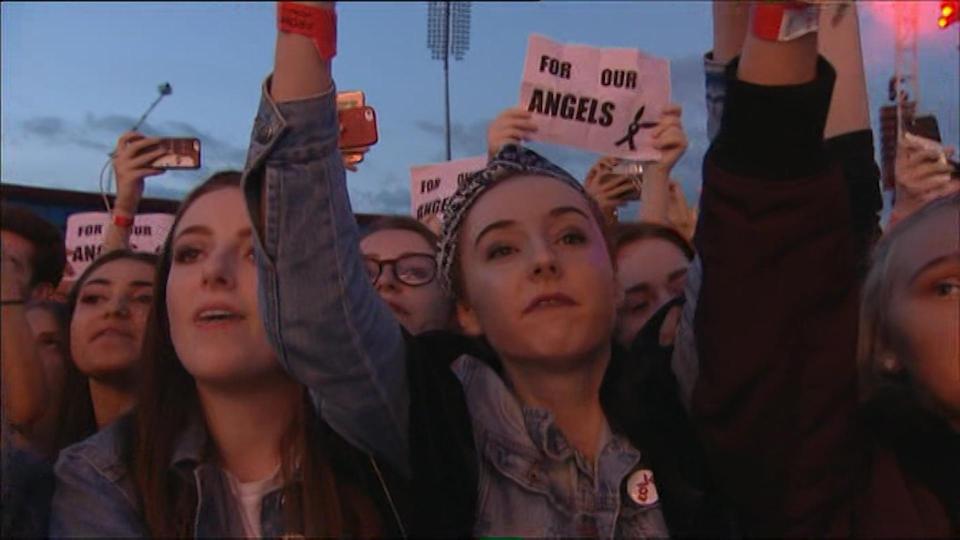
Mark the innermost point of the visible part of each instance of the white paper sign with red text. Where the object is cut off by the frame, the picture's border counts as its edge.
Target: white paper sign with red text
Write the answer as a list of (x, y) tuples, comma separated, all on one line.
[(85, 236), (605, 100)]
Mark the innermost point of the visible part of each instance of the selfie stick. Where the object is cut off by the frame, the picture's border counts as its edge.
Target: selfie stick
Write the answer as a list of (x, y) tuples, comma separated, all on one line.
[(165, 90)]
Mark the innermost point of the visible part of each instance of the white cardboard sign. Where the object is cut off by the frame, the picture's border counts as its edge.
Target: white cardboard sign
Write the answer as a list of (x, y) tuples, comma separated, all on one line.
[(605, 100), (431, 185), (85, 235)]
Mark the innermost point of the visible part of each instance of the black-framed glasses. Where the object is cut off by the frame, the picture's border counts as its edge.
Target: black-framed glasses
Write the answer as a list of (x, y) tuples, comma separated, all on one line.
[(413, 269)]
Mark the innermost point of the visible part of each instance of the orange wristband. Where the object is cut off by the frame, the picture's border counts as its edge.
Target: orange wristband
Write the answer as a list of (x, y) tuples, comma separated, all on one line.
[(316, 23)]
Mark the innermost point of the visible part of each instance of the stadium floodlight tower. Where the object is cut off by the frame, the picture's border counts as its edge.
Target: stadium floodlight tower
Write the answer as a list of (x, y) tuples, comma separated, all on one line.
[(448, 34)]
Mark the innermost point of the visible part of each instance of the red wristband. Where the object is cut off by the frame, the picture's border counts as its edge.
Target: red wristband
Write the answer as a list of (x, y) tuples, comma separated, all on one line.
[(316, 23), (784, 21), (122, 221)]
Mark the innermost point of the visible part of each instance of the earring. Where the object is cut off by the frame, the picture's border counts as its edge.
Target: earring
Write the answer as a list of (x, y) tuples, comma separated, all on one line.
[(889, 363)]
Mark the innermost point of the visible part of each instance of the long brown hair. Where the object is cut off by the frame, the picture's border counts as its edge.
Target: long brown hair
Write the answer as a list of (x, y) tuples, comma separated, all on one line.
[(76, 419), (168, 401)]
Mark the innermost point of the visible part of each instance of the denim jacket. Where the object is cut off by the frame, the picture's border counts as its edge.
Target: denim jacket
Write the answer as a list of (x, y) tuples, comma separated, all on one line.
[(333, 332), (96, 496), (534, 483)]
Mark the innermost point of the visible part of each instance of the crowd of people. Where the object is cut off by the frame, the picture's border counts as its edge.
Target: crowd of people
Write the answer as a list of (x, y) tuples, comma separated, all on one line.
[(775, 362)]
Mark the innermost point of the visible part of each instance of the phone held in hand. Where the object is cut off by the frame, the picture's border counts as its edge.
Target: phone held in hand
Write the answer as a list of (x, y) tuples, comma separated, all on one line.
[(634, 171), (358, 127), (925, 131), (182, 153), (351, 99), (925, 126)]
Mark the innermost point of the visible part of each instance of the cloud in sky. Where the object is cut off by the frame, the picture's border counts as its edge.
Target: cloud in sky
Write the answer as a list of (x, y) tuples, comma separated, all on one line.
[(394, 199), (93, 132)]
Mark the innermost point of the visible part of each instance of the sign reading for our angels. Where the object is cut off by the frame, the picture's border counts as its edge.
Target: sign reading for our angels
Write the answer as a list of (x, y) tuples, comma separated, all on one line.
[(606, 100)]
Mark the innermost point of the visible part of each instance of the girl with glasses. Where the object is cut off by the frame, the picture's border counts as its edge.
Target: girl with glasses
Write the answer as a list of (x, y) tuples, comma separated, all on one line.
[(399, 256)]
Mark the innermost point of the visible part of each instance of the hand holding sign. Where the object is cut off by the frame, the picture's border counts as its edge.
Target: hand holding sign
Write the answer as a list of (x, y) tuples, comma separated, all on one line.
[(669, 138), (511, 126), (599, 99)]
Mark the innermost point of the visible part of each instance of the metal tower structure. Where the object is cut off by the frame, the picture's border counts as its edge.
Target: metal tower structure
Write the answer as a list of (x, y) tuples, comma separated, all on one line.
[(448, 34)]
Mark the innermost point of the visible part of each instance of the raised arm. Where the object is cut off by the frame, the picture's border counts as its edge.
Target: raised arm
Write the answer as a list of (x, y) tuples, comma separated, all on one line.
[(671, 140), (776, 320), (328, 325), (131, 165), (848, 136)]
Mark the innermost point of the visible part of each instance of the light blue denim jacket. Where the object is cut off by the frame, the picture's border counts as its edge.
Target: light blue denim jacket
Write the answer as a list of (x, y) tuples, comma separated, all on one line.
[(334, 333), (96, 495)]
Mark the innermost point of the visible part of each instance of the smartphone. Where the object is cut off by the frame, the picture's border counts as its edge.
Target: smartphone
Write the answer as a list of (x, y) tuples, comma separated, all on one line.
[(182, 153), (634, 171), (928, 130), (925, 126), (350, 99), (358, 127)]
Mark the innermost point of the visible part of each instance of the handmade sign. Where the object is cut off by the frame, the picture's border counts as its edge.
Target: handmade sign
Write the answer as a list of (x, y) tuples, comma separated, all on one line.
[(605, 100), (85, 235), (431, 185)]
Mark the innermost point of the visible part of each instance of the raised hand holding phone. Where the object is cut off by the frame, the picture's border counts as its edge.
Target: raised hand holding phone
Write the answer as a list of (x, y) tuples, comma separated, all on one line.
[(923, 173), (611, 186), (132, 162)]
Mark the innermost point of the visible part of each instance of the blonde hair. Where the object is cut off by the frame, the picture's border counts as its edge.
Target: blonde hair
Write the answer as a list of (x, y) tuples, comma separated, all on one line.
[(875, 329)]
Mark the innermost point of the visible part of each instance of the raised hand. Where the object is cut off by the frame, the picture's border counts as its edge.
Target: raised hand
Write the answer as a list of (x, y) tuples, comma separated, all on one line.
[(609, 188), (510, 126), (131, 164), (922, 174), (670, 139)]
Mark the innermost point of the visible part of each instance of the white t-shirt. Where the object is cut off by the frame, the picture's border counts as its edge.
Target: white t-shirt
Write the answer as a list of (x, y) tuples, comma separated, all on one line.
[(250, 497)]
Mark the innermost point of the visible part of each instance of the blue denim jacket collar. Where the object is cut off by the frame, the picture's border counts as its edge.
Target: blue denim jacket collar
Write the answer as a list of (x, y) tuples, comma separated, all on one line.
[(532, 428), (526, 430), (525, 452)]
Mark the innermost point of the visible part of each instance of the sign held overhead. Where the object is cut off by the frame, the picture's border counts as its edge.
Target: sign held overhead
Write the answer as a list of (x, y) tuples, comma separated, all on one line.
[(605, 100)]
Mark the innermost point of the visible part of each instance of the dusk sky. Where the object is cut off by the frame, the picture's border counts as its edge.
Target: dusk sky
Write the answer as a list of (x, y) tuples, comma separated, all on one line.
[(74, 76)]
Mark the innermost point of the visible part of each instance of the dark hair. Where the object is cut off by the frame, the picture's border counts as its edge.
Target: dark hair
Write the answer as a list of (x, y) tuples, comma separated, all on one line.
[(168, 401), (76, 419), (402, 223), (628, 233), (49, 257)]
